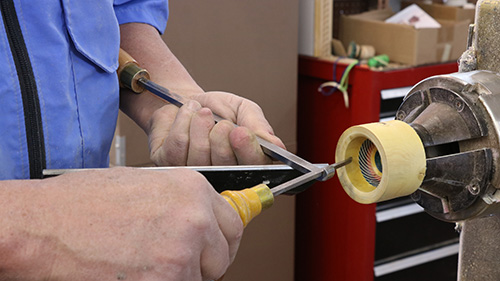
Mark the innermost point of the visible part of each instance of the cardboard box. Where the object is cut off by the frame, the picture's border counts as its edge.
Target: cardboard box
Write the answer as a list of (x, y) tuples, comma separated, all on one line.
[(403, 43), (444, 12)]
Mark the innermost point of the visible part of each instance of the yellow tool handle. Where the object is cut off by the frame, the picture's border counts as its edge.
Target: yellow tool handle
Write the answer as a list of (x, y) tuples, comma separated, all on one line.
[(248, 203)]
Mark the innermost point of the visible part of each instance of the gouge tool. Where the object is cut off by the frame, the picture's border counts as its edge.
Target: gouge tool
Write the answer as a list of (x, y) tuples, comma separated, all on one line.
[(248, 202), (268, 181), (251, 201)]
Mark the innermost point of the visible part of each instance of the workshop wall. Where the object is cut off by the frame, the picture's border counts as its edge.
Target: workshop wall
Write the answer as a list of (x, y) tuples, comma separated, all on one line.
[(248, 48), (245, 47)]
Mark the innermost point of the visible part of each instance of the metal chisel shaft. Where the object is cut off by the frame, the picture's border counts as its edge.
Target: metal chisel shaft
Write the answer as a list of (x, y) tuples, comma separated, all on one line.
[(250, 202)]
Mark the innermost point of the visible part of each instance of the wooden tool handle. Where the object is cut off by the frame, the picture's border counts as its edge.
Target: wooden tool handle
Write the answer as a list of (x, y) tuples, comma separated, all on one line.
[(124, 59), (248, 203), (129, 72)]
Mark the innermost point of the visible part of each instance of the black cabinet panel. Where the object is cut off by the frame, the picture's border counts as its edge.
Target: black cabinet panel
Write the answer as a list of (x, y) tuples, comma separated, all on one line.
[(444, 269), (408, 233)]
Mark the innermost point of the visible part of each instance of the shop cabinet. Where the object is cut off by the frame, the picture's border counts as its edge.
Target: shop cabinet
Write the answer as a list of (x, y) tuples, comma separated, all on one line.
[(337, 238)]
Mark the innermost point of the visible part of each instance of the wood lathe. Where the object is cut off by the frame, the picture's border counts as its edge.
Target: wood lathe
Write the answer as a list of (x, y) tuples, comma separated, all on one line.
[(443, 149)]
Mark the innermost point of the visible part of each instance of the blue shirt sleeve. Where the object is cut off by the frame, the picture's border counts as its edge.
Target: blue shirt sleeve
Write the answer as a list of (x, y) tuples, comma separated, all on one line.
[(152, 12)]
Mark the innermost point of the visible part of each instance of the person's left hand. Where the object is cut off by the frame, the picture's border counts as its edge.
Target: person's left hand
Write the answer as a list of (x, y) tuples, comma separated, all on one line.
[(189, 135)]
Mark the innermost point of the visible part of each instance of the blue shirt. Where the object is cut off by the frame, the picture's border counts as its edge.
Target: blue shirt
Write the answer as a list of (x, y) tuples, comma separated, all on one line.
[(73, 51)]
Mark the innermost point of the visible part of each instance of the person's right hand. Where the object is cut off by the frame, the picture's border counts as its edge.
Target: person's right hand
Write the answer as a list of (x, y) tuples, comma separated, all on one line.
[(118, 224)]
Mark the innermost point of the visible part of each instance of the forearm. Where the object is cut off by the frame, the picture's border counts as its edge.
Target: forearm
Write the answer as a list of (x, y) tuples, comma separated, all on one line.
[(145, 44), (115, 224), (24, 250)]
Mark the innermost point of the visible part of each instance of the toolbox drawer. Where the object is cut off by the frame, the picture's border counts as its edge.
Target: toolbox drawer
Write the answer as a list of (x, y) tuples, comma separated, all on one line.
[(437, 270), (411, 232)]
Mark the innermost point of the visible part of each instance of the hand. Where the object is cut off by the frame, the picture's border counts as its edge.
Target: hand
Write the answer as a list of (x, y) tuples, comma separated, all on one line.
[(125, 224), (189, 135)]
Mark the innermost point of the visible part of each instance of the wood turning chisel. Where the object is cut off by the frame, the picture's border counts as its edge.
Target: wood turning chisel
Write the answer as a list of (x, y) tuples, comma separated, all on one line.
[(247, 202)]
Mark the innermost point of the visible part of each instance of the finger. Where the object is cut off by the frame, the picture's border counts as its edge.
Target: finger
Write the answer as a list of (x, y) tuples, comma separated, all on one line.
[(221, 103), (220, 253), (221, 150), (230, 224), (214, 258), (246, 148), (254, 119), (242, 112), (176, 144), (199, 142), (217, 227), (161, 121)]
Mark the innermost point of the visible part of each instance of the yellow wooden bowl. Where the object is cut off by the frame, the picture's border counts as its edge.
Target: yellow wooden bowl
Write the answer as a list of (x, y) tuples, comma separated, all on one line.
[(388, 161)]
